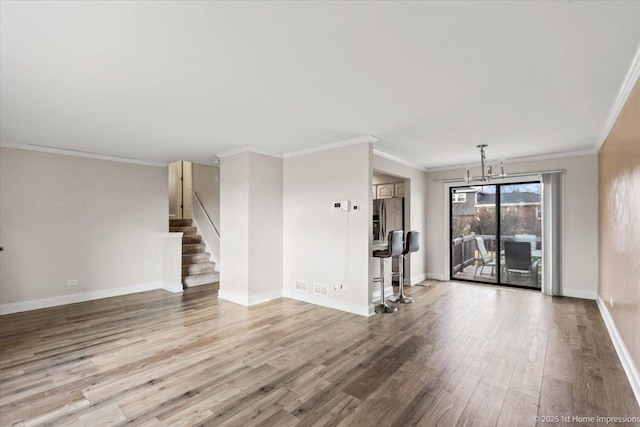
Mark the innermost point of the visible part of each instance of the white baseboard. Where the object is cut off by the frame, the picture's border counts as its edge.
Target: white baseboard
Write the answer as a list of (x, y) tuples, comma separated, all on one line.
[(265, 296), (436, 276), (419, 278), (580, 293), (175, 288), (249, 300), (233, 297), (329, 302), (633, 374), (16, 307)]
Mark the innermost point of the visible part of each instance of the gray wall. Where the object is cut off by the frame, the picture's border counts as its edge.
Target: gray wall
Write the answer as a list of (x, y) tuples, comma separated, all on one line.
[(206, 182), (580, 241), (71, 218), (250, 228), (324, 246)]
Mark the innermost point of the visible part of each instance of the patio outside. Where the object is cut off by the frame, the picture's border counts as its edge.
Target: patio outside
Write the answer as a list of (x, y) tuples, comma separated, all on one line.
[(475, 252)]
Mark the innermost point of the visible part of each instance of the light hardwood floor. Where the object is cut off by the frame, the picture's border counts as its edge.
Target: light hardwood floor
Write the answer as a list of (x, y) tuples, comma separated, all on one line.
[(463, 354)]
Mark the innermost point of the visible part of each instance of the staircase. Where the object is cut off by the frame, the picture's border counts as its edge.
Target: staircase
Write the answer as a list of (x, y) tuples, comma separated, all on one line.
[(197, 268)]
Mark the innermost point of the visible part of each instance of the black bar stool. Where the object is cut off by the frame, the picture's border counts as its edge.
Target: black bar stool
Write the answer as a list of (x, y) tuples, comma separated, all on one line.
[(394, 248), (411, 244)]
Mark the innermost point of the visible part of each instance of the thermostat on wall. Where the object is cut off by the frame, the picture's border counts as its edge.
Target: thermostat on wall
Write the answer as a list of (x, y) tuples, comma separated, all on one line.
[(341, 206)]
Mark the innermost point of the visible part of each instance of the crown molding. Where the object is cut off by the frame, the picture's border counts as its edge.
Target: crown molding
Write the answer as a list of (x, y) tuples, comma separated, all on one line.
[(248, 149), (295, 153), (74, 153), (332, 145), (587, 152), (399, 160), (625, 90)]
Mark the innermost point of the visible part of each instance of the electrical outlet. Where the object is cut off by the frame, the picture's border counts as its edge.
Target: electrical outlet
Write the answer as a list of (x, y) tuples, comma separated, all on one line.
[(72, 282), (611, 301)]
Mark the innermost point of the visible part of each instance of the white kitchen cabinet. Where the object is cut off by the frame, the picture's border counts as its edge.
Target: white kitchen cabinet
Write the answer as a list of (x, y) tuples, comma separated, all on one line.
[(386, 191), (399, 189)]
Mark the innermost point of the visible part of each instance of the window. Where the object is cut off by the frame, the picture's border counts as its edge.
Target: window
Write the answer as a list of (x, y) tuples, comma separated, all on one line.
[(459, 198)]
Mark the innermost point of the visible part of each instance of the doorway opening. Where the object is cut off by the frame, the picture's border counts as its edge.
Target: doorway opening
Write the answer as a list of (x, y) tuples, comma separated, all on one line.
[(180, 190), (390, 212), (496, 234)]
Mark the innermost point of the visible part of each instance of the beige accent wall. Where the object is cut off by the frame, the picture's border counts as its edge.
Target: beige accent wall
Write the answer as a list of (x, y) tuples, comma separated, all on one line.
[(580, 243), (71, 218), (619, 218)]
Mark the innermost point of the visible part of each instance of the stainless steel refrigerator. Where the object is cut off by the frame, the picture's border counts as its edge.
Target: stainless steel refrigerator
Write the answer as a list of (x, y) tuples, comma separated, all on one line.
[(388, 215)]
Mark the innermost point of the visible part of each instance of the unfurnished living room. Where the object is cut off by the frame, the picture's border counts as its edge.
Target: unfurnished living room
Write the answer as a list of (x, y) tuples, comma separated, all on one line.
[(319, 213)]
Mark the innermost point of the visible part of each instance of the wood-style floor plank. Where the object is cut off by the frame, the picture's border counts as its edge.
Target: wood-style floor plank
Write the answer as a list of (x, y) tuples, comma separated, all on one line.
[(461, 355)]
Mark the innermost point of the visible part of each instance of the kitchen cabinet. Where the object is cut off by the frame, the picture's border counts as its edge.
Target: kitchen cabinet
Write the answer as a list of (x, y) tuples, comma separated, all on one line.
[(386, 191)]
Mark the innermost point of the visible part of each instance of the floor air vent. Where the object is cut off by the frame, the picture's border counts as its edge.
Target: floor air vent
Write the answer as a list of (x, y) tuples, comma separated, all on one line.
[(302, 286), (321, 289)]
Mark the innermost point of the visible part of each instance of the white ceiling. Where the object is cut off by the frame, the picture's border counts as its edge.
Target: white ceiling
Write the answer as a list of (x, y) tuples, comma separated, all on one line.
[(161, 81)]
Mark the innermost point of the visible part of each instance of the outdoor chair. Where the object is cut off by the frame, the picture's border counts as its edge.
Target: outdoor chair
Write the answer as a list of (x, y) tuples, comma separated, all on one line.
[(531, 238), (485, 259), (518, 261)]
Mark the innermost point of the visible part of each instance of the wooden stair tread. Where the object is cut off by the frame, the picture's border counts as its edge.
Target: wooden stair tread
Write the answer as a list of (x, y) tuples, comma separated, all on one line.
[(209, 273), (199, 263)]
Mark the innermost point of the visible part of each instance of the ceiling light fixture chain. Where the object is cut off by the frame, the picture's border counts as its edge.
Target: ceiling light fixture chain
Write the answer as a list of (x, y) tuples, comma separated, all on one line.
[(487, 174)]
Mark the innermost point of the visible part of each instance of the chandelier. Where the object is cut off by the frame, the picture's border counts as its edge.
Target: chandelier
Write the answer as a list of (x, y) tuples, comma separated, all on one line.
[(487, 174)]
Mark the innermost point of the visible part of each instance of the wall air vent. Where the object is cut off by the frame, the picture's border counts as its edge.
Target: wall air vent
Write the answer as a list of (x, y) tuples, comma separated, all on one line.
[(321, 289), (302, 286)]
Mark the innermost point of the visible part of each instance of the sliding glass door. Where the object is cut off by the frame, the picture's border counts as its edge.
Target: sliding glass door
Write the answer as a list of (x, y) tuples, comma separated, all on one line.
[(496, 234), (473, 234)]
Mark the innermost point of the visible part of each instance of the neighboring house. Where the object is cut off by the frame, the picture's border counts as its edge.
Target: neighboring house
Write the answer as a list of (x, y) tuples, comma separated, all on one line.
[(463, 211), (472, 211), (521, 212)]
